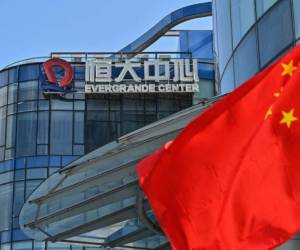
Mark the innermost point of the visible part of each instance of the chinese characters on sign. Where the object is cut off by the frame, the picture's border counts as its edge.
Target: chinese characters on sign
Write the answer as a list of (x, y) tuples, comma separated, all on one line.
[(180, 75)]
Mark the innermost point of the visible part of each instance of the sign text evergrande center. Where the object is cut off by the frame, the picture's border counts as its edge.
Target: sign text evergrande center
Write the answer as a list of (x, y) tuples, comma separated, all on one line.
[(106, 76)]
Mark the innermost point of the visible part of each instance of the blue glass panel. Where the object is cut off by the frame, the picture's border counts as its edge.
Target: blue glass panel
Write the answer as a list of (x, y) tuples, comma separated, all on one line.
[(3, 96), (5, 236), (26, 134), (12, 93), (296, 17), (227, 82), (246, 58), (68, 159), (54, 161), (2, 125), (27, 106), (23, 245), (3, 78), (36, 173), (275, 33), (79, 72), (28, 90), (223, 27), (8, 165), (43, 127), (243, 17), (29, 72), (19, 235), (19, 196), (39, 161), (79, 127), (10, 131), (263, 5), (13, 75), (20, 163), (61, 133), (20, 175), (6, 194)]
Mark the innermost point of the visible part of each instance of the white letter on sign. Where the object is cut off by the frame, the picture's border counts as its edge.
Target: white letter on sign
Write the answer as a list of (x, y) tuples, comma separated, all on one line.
[(128, 67)]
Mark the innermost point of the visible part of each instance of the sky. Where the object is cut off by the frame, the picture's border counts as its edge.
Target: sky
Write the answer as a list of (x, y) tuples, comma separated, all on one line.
[(34, 28)]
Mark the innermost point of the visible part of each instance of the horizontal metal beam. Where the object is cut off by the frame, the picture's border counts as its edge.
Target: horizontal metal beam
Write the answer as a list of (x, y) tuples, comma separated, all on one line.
[(126, 213), (99, 179), (117, 194), (129, 238)]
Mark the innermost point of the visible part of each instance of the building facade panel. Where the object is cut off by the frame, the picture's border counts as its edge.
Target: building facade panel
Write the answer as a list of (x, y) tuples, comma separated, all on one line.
[(272, 32)]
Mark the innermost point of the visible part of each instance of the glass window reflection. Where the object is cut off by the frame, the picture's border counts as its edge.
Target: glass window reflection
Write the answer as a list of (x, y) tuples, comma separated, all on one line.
[(224, 32), (243, 17), (26, 134), (28, 90), (245, 58), (2, 125), (275, 33), (263, 5), (61, 133), (6, 194), (296, 17)]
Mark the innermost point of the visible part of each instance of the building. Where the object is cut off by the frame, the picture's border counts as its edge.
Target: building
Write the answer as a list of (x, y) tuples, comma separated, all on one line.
[(44, 127), (248, 36)]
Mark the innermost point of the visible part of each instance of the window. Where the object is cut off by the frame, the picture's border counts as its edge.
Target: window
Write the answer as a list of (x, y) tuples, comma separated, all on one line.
[(245, 58), (3, 78), (24, 245), (2, 125), (263, 5), (79, 127), (3, 96), (224, 32), (12, 93), (26, 134), (275, 33), (243, 17), (10, 131), (27, 106), (6, 177), (61, 104), (227, 82), (28, 90), (61, 133), (43, 127), (18, 197), (29, 72), (296, 17), (36, 173), (6, 194), (13, 75)]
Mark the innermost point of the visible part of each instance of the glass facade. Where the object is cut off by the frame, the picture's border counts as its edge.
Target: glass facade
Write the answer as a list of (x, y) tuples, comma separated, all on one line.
[(262, 30), (39, 135), (251, 34)]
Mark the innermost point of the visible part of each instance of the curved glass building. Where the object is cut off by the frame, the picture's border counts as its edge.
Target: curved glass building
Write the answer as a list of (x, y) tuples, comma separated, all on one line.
[(251, 34), (248, 36), (42, 132)]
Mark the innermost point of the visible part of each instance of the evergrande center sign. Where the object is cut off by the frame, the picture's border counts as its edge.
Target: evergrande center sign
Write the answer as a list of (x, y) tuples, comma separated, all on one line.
[(148, 76)]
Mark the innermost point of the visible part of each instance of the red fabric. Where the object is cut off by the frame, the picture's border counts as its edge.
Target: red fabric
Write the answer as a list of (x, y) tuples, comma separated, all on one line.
[(231, 179)]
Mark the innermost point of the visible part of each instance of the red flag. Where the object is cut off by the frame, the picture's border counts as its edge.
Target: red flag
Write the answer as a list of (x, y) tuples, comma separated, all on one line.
[(231, 179)]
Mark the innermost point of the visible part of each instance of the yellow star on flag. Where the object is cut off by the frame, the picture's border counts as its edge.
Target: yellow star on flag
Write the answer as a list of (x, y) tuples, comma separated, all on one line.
[(288, 118), (288, 69), (269, 113)]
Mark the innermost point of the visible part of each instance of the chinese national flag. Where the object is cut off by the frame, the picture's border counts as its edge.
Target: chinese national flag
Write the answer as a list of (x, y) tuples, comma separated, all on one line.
[(231, 179)]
